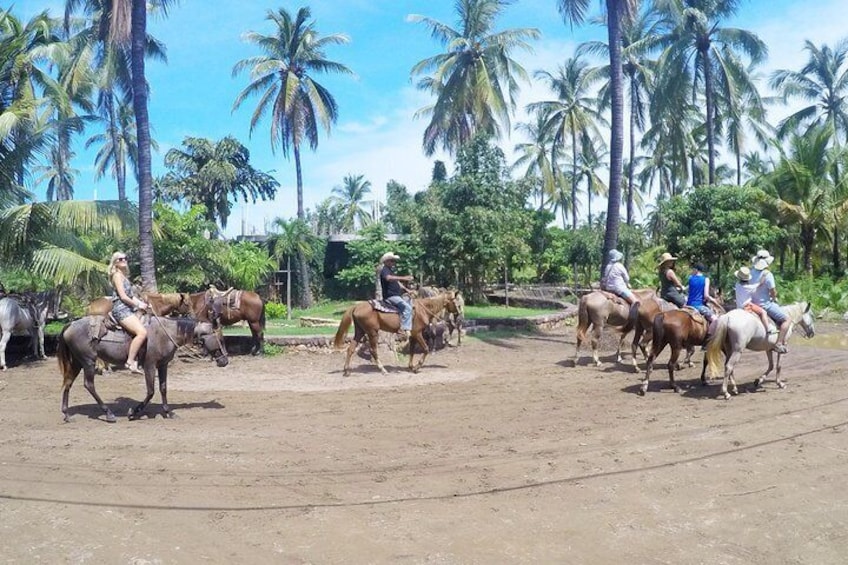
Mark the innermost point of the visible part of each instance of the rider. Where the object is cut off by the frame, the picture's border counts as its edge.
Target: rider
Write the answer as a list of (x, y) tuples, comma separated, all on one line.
[(393, 291), (765, 296), (616, 279), (124, 305), (671, 289), (744, 291), (699, 292)]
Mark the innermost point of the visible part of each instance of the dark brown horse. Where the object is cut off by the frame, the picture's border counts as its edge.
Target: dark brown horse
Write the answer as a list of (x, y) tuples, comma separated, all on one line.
[(679, 329), (368, 322), (231, 306), (643, 331), (598, 309), (83, 341)]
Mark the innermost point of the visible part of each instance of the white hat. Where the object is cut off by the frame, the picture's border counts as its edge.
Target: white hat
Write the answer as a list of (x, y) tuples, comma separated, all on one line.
[(743, 274), (389, 257), (615, 255), (762, 260)]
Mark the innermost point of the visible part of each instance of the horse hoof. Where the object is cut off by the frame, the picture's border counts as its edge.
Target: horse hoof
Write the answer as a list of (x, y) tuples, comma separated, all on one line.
[(111, 418), (677, 389), (781, 385), (642, 390)]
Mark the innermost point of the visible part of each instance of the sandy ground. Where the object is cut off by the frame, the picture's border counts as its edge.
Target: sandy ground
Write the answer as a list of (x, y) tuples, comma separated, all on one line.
[(497, 452)]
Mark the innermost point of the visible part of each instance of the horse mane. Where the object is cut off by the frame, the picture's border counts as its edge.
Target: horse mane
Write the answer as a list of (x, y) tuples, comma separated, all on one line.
[(795, 311), (185, 327)]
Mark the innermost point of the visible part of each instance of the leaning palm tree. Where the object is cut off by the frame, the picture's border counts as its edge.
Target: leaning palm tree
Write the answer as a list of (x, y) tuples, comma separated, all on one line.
[(283, 78), (823, 81), (616, 12), (475, 79), (573, 113), (350, 197)]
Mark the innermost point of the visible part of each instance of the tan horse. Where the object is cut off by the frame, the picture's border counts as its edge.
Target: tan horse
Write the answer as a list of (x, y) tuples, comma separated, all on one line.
[(643, 331), (229, 308), (597, 309), (160, 304), (368, 322)]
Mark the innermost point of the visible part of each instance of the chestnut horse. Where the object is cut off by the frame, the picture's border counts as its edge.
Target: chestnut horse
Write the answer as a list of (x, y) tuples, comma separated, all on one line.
[(597, 309), (677, 329), (160, 304), (368, 322), (643, 331), (234, 306)]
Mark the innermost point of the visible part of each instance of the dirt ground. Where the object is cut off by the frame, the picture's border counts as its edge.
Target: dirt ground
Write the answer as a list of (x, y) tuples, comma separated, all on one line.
[(499, 451)]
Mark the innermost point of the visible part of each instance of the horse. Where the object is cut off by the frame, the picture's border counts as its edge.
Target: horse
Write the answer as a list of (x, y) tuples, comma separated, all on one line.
[(368, 322), (597, 309), (738, 330), (684, 328), (643, 330), (24, 314), (454, 322), (230, 306), (160, 304), (81, 342)]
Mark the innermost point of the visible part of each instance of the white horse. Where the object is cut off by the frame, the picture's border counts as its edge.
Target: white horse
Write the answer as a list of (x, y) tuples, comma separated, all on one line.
[(738, 330), (24, 316)]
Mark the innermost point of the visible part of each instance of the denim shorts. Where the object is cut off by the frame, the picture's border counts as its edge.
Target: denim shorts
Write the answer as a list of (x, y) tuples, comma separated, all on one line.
[(775, 312)]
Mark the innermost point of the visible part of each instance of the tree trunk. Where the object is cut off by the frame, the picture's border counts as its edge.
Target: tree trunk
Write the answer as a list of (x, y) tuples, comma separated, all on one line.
[(708, 92), (117, 146), (302, 263), (617, 127), (142, 123), (633, 107), (573, 176)]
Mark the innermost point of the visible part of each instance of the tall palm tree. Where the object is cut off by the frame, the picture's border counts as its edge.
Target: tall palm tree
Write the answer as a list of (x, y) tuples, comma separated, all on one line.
[(592, 154), (616, 12), (823, 81), (573, 113), (640, 39), (350, 197), (697, 49), (540, 164), (283, 78), (117, 145), (474, 80)]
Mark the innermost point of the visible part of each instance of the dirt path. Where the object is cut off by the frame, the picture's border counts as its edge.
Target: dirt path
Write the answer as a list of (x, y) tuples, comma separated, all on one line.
[(497, 452)]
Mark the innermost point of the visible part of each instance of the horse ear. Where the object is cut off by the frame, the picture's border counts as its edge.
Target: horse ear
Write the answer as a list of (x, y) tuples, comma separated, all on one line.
[(807, 309)]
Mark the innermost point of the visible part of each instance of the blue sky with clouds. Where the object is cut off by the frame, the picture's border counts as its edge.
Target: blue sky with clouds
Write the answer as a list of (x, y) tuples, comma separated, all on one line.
[(376, 135)]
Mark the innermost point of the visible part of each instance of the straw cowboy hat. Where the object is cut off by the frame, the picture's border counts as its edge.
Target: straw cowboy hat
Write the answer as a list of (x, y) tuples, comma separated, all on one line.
[(389, 257), (615, 255), (762, 260), (665, 258), (743, 274)]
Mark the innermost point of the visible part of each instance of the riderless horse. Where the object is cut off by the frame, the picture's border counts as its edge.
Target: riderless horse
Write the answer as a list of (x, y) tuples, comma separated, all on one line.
[(24, 314), (739, 329)]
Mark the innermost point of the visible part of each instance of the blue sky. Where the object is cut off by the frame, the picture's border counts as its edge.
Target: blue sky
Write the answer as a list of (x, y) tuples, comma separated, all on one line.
[(376, 135)]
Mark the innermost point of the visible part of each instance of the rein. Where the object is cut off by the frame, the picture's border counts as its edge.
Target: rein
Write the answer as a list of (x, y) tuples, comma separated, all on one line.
[(185, 347)]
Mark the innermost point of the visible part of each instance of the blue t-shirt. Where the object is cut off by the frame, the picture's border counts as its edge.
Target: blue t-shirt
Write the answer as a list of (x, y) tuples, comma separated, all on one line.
[(697, 284)]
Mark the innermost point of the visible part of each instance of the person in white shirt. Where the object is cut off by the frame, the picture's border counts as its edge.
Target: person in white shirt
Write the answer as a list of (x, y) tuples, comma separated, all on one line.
[(745, 293), (765, 295), (616, 279)]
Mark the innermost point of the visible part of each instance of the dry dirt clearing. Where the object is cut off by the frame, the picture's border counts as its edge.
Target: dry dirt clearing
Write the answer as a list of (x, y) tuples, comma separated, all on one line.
[(497, 452)]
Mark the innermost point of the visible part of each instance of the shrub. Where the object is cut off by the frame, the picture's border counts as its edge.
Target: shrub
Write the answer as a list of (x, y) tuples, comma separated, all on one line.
[(275, 310)]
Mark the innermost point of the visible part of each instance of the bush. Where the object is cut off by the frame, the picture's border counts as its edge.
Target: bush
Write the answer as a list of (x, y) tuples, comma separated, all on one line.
[(275, 310)]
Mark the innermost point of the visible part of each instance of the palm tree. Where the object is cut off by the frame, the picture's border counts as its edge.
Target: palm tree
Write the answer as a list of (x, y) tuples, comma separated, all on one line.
[(350, 197), (617, 11), (474, 80), (823, 80), (118, 144), (573, 113), (640, 38), (697, 51), (592, 153), (292, 237), (540, 162), (296, 101)]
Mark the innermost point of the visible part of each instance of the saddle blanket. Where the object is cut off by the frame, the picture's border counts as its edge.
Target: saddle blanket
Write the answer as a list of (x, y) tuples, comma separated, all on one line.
[(382, 306)]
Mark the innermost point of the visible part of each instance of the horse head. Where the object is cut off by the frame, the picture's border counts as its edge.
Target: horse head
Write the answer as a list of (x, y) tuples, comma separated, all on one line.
[(212, 342), (807, 322), (214, 306)]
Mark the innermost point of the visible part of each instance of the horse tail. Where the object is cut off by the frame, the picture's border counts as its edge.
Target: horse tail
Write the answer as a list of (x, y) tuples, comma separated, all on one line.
[(347, 318), (658, 341), (582, 318), (262, 314), (632, 318), (714, 347), (63, 354)]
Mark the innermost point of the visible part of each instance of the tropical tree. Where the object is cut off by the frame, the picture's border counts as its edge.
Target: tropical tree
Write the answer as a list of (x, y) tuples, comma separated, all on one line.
[(539, 161), (698, 50), (117, 146), (823, 81), (292, 238), (297, 103), (350, 197), (573, 113), (475, 79), (616, 13), (209, 173), (592, 153)]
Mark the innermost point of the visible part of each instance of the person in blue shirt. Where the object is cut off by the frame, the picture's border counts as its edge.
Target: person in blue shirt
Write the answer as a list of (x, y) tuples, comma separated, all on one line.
[(699, 296)]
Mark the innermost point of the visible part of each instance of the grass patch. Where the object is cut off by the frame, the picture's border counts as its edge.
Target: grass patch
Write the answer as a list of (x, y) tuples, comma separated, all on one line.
[(475, 312)]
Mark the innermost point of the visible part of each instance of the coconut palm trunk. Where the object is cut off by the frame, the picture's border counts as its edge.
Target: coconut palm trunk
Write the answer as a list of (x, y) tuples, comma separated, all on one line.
[(614, 15)]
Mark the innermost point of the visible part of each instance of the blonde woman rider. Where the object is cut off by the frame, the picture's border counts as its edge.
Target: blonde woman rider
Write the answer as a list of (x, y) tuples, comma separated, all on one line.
[(124, 306)]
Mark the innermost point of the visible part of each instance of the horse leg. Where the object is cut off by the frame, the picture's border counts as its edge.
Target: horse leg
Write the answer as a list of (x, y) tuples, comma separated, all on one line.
[(258, 338), (163, 391), (638, 334), (649, 367), (759, 382), (4, 339), (149, 376), (690, 351), (729, 367), (597, 329), (373, 343), (67, 381), (351, 349), (672, 365), (780, 382), (88, 372), (420, 340), (39, 336)]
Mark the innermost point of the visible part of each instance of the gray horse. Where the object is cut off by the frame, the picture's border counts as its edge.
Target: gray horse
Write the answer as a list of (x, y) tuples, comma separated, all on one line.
[(24, 314), (81, 342)]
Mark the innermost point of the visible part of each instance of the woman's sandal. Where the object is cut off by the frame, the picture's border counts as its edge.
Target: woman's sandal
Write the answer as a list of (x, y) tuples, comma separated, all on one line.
[(134, 368)]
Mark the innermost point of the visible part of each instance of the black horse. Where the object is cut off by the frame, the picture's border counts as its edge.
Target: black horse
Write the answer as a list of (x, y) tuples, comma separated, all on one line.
[(81, 342)]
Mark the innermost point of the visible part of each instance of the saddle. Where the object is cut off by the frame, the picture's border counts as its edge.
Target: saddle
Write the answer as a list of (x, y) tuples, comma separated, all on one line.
[(383, 306), (616, 299), (696, 316), (230, 298), (107, 328)]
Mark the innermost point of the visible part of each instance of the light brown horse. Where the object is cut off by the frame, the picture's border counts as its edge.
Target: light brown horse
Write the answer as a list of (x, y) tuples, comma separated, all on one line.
[(684, 328), (160, 304), (643, 331), (368, 322), (597, 309), (234, 306)]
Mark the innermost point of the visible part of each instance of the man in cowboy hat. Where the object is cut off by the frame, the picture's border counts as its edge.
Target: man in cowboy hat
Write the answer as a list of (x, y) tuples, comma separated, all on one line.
[(744, 292), (671, 289), (616, 279), (393, 290), (765, 296)]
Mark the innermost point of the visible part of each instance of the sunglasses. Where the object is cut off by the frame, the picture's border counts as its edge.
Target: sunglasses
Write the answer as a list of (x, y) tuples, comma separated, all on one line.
[(121, 259)]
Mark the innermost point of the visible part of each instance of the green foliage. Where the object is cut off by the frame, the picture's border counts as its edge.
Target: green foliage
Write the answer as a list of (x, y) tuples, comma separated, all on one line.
[(275, 310), (717, 225), (247, 265), (828, 297), (272, 349)]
